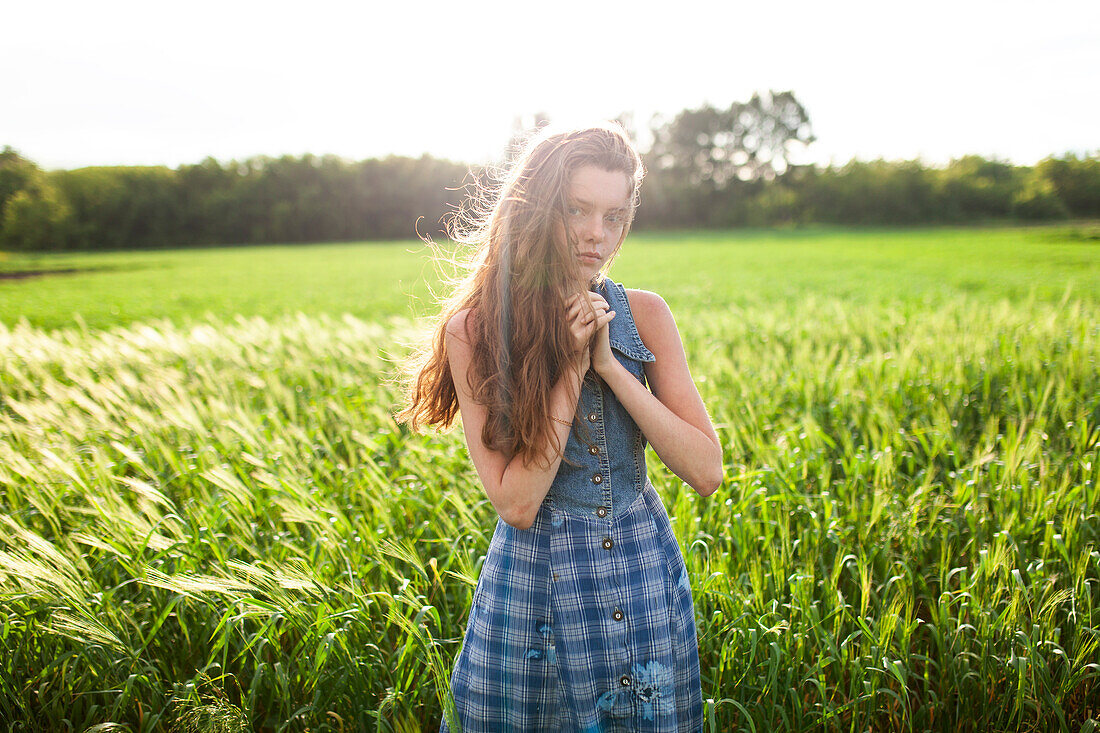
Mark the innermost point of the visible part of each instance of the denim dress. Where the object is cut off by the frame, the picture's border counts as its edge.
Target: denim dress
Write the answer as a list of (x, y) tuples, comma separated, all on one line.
[(584, 621)]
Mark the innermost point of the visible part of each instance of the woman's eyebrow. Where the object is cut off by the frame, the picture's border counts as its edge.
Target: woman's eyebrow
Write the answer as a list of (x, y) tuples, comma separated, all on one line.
[(586, 202)]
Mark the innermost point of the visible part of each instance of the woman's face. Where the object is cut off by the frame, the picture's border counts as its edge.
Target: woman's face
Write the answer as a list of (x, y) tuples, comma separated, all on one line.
[(597, 209)]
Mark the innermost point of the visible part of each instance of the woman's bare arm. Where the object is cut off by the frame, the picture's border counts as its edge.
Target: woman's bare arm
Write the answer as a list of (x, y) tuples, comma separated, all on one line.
[(672, 417), (517, 490)]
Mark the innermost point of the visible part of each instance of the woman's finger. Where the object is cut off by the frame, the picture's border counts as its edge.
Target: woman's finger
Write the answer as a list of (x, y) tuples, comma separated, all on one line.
[(592, 325), (597, 299), (587, 315)]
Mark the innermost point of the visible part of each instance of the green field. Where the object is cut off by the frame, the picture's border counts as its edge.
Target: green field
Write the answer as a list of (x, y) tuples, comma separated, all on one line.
[(691, 270), (209, 518)]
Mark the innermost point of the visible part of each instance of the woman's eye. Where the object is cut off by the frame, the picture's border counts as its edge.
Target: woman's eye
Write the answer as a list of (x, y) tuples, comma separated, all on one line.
[(573, 211), (614, 218)]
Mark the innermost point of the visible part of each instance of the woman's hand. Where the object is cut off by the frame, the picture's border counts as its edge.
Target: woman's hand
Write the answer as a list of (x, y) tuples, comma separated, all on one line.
[(602, 359), (585, 321)]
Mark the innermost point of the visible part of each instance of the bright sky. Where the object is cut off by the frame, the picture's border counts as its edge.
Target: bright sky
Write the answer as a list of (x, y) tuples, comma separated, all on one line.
[(107, 82)]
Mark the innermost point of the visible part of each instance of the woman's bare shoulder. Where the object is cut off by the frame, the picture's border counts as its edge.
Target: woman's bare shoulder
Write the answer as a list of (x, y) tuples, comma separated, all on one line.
[(651, 313), (459, 325)]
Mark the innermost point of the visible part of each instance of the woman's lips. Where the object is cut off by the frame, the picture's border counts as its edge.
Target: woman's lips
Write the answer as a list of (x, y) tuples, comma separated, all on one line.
[(589, 258)]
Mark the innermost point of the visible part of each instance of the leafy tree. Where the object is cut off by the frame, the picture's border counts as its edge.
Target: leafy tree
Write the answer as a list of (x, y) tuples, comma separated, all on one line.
[(747, 141), (15, 173), (37, 217), (1038, 200), (122, 207), (1076, 181), (974, 188), (205, 199), (874, 192)]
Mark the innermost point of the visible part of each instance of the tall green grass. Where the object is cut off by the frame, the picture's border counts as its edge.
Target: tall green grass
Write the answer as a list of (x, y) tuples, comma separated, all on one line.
[(215, 524)]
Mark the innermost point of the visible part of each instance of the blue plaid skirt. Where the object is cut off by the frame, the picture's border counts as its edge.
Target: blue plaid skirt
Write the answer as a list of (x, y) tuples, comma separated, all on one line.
[(582, 624)]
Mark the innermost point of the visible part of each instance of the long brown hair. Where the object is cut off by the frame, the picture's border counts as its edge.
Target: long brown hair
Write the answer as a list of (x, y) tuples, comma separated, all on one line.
[(518, 280)]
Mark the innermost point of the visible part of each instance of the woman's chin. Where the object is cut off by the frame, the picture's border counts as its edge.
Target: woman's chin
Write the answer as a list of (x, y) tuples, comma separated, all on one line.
[(589, 273)]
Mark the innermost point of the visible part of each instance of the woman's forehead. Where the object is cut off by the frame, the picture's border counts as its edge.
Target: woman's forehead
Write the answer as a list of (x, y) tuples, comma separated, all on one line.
[(593, 185)]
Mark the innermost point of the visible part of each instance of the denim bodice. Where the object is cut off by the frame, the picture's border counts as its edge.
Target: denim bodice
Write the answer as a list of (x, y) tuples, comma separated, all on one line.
[(603, 469)]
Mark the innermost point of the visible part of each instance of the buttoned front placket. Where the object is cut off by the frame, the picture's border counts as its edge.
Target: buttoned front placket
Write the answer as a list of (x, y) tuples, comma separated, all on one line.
[(614, 621), (597, 449)]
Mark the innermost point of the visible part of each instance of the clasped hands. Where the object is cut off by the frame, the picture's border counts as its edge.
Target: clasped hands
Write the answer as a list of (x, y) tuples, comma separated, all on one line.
[(588, 324)]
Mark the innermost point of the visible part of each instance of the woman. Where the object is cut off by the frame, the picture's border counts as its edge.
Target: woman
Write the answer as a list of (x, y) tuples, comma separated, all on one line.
[(582, 617)]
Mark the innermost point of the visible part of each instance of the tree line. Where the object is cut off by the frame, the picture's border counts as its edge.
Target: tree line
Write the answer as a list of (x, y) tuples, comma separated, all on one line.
[(707, 167), (259, 200)]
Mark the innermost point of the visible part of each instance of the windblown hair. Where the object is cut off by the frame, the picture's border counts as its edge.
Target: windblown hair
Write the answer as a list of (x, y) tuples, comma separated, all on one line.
[(521, 273)]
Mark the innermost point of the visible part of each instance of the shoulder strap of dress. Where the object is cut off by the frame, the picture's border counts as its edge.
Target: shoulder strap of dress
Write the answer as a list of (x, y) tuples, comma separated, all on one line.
[(622, 332)]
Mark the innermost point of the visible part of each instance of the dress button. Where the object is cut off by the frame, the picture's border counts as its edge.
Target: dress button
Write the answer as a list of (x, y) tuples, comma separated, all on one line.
[(617, 615), (593, 417), (625, 680), (607, 543), (597, 479), (594, 450), (601, 511)]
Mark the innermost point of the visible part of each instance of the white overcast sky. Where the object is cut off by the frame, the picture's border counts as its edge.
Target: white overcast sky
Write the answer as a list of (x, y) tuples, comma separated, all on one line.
[(166, 82)]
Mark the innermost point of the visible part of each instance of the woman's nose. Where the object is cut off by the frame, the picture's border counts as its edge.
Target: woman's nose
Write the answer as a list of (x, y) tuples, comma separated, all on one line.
[(593, 229)]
